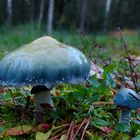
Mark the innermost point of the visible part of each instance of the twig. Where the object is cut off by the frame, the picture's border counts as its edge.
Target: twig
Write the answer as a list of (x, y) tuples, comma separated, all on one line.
[(69, 129), (103, 103), (83, 122), (88, 121), (3, 122), (60, 129), (87, 124), (129, 59), (90, 52), (72, 131), (6, 103), (7, 122), (56, 137)]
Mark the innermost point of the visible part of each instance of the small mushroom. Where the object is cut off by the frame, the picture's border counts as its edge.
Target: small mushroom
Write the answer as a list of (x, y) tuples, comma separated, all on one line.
[(43, 64), (127, 100)]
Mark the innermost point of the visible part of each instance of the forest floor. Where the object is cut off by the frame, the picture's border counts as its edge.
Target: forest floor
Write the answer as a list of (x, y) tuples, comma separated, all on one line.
[(84, 112)]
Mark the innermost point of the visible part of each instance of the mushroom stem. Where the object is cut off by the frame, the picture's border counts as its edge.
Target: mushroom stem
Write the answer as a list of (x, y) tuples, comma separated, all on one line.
[(43, 98), (125, 116)]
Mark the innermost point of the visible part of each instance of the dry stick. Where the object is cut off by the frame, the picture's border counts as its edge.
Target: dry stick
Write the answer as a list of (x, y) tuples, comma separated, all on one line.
[(85, 129), (93, 60), (97, 68), (4, 122), (83, 122), (70, 131), (55, 137), (90, 55), (103, 103), (6, 103), (8, 122), (89, 119), (128, 56)]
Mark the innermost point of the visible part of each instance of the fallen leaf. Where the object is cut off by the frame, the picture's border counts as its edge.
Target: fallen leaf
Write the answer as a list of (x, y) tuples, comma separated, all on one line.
[(43, 136), (63, 137), (19, 130), (43, 127)]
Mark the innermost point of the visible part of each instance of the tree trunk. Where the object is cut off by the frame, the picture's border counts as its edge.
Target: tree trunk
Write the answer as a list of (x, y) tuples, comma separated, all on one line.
[(9, 12), (50, 16), (61, 8), (117, 1), (32, 10), (41, 12), (107, 10), (82, 16)]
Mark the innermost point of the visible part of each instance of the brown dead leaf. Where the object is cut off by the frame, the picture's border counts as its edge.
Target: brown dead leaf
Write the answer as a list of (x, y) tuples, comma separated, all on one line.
[(43, 127), (19, 130)]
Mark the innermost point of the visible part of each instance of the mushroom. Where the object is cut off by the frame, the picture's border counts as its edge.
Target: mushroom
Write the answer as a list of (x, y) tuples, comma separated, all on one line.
[(43, 64), (127, 100)]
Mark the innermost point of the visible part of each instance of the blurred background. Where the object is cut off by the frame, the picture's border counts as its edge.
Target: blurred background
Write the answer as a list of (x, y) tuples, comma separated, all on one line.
[(84, 15), (22, 21)]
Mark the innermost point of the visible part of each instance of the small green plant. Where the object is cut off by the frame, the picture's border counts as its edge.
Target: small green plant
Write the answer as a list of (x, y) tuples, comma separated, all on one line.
[(82, 111)]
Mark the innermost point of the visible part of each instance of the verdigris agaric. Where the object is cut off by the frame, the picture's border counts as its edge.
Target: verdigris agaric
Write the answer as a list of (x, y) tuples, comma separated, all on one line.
[(43, 64), (127, 100)]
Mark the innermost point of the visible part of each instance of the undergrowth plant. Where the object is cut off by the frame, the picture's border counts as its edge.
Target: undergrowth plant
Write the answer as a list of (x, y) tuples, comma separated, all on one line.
[(83, 111)]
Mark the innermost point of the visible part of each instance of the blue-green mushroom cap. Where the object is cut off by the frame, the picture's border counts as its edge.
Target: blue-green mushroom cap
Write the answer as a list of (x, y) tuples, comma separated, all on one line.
[(127, 98), (44, 61)]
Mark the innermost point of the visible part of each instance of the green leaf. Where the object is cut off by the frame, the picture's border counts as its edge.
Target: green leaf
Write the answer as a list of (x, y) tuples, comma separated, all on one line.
[(94, 81), (122, 127), (95, 97), (136, 121), (10, 138), (100, 122), (110, 68), (43, 136), (7, 96)]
